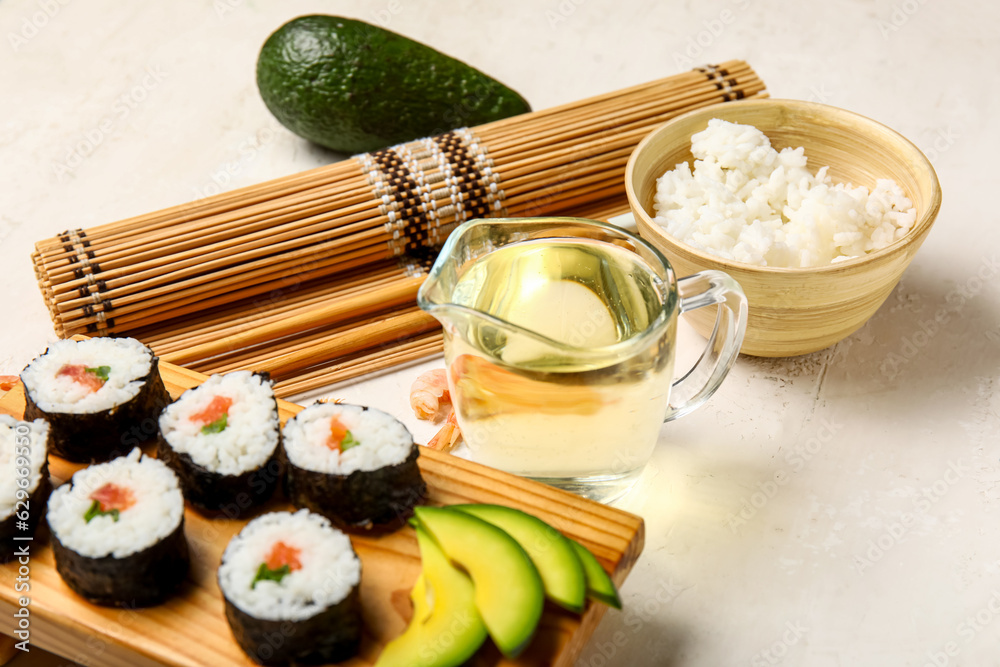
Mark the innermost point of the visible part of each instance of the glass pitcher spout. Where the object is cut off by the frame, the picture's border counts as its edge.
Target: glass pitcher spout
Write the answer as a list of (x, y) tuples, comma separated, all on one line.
[(557, 294)]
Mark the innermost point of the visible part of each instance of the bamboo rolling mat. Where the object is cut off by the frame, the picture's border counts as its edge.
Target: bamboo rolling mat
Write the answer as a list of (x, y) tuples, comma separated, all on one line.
[(313, 276)]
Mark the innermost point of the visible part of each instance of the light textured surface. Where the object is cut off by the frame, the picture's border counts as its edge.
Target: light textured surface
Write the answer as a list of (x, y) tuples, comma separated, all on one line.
[(878, 544)]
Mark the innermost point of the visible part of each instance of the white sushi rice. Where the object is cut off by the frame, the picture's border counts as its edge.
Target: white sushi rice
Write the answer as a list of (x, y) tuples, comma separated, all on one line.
[(384, 440), (330, 568), (15, 434), (749, 203), (128, 359), (158, 508), (252, 427)]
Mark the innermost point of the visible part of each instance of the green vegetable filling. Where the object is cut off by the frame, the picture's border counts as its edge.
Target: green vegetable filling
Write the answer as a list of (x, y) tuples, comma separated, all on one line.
[(264, 573), (348, 442), (100, 371), (95, 508), (218, 426)]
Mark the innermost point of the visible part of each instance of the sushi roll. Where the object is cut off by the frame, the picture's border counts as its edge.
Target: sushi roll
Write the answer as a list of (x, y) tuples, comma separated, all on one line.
[(290, 584), (355, 465), (221, 438), (118, 532), (24, 481), (97, 395)]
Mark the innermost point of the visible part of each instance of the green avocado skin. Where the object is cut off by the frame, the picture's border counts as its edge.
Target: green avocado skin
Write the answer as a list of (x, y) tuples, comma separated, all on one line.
[(354, 87)]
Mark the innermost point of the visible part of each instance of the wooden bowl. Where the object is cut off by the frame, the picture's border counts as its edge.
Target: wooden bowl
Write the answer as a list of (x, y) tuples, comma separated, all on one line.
[(795, 311)]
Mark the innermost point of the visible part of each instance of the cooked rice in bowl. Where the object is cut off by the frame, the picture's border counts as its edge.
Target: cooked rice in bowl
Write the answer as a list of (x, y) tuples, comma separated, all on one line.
[(745, 201)]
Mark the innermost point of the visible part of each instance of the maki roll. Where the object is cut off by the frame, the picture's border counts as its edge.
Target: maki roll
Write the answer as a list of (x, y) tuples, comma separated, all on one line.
[(355, 465), (118, 532), (290, 584), (221, 438), (24, 481), (96, 395)]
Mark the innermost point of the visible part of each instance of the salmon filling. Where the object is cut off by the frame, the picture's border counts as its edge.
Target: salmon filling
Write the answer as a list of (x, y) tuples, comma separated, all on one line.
[(215, 416), (282, 560), (341, 438), (110, 499), (91, 378), (282, 554)]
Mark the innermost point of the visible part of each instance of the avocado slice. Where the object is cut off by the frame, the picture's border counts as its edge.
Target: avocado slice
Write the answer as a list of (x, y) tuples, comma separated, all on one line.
[(405, 644), (356, 87), (599, 584), (419, 598), (553, 555), (444, 634), (508, 589)]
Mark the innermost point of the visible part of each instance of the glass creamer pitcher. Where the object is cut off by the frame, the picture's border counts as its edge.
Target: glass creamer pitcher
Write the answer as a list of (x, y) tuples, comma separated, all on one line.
[(559, 343)]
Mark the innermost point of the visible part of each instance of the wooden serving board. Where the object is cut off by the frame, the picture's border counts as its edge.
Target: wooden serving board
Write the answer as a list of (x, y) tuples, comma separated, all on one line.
[(190, 629)]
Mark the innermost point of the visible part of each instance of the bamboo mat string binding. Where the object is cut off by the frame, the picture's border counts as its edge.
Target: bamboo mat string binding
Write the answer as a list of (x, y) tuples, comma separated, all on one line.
[(310, 237)]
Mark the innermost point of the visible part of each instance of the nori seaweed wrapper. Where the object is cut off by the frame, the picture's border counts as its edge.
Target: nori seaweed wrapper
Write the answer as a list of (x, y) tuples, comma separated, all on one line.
[(363, 501), (37, 501), (214, 492), (101, 436), (232, 495), (332, 635), (142, 579)]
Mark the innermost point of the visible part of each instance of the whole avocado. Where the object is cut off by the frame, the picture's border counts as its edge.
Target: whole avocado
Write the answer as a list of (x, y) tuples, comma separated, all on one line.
[(354, 87)]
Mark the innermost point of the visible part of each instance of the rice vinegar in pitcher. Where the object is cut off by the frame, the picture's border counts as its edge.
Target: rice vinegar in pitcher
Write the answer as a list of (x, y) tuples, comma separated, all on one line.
[(562, 395)]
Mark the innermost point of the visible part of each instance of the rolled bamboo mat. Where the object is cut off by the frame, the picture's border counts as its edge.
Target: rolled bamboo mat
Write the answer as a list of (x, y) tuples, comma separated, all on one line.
[(310, 276), (247, 333), (242, 335)]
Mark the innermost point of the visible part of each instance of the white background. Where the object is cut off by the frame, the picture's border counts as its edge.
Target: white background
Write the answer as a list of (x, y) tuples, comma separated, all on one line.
[(870, 552)]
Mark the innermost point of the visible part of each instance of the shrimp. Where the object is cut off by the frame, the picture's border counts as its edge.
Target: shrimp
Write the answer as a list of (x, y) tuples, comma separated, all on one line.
[(429, 398), (447, 438), (428, 392)]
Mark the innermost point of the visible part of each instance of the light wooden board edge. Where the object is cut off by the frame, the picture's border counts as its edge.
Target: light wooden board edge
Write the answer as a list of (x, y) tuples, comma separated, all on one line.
[(615, 537)]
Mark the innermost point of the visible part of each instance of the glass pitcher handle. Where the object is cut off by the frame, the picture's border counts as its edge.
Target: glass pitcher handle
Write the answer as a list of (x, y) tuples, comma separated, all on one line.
[(698, 384)]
